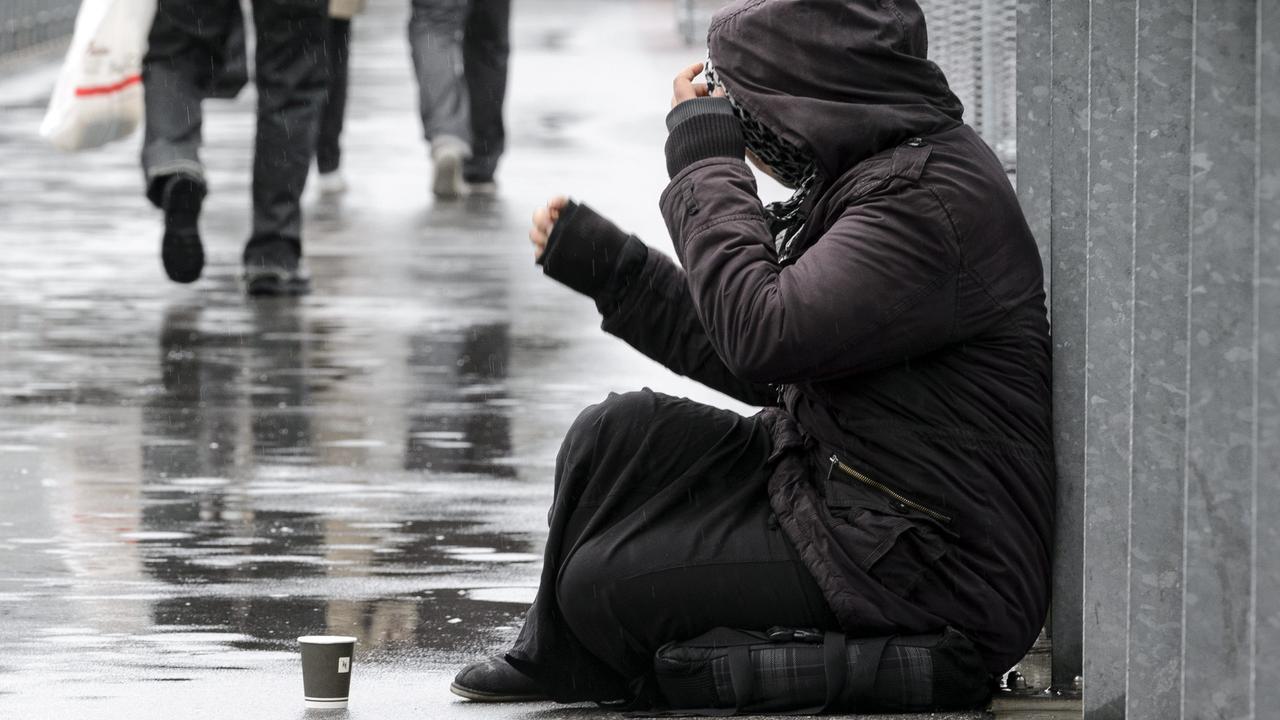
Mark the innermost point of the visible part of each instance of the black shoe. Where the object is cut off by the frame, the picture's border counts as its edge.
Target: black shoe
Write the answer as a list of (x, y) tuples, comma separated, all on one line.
[(273, 266), (495, 680), (181, 250)]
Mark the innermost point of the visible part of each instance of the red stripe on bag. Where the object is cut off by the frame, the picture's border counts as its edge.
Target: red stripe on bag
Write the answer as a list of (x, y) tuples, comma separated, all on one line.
[(108, 89)]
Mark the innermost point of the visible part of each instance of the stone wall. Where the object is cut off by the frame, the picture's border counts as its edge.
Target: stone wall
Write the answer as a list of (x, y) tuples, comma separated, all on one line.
[(1149, 166)]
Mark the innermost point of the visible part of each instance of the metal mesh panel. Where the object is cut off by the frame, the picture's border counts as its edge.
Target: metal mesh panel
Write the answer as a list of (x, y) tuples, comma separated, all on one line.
[(975, 44), (973, 41), (25, 24)]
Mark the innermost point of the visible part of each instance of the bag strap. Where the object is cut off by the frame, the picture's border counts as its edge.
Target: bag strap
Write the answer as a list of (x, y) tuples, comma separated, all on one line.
[(835, 666), (740, 676), (863, 683), (835, 662)]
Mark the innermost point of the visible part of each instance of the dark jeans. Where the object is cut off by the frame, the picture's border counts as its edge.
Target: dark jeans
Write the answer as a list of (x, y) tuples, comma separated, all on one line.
[(188, 38), (460, 50), (328, 148), (660, 530)]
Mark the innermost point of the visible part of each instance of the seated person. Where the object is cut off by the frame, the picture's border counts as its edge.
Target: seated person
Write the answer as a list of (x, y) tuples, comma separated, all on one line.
[(890, 318)]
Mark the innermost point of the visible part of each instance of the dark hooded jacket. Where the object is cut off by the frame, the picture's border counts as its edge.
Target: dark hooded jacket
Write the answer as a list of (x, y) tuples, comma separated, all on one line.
[(904, 353)]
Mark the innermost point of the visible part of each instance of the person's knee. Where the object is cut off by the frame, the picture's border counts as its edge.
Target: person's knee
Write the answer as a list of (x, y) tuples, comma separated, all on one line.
[(618, 424), (614, 421), (618, 411)]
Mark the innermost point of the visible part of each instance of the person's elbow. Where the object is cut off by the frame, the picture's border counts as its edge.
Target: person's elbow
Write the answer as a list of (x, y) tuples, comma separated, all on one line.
[(762, 361)]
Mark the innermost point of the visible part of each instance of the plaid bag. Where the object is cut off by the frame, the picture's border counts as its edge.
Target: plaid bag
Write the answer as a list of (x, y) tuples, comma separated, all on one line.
[(729, 672)]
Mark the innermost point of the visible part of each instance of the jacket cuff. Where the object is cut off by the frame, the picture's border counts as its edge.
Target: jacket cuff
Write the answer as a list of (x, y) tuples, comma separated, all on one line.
[(702, 128), (584, 252)]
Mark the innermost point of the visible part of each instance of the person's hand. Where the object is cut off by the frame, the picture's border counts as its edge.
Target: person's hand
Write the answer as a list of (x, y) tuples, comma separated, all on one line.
[(544, 218), (684, 88)]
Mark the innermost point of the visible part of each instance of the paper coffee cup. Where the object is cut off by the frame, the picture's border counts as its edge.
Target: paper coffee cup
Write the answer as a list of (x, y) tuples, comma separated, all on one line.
[(326, 670)]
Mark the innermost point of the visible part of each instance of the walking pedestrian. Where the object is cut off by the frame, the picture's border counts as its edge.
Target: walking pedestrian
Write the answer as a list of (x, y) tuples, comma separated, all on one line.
[(190, 41), (890, 316), (460, 50), (328, 145)]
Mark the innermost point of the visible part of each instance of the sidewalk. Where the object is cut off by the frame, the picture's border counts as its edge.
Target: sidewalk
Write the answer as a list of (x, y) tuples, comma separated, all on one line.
[(192, 479)]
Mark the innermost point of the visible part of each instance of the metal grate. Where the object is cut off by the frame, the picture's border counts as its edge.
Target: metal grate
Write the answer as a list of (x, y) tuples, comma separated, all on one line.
[(975, 44), (27, 24)]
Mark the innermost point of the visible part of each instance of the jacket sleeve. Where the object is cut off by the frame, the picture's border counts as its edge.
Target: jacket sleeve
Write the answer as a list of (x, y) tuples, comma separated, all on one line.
[(643, 297), (877, 288)]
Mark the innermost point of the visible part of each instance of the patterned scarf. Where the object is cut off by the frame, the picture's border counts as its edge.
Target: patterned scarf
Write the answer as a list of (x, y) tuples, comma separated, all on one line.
[(789, 164)]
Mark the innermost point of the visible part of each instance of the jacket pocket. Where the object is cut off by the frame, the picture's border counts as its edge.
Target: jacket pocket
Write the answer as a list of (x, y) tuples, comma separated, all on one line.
[(896, 550), (892, 537)]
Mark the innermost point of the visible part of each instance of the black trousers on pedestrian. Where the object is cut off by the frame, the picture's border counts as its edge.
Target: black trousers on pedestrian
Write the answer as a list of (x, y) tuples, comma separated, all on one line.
[(660, 530), (187, 46), (486, 47), (328, 147)]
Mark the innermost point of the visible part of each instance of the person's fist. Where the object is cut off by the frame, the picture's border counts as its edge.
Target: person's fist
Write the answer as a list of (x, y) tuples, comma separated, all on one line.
[(544, 218)]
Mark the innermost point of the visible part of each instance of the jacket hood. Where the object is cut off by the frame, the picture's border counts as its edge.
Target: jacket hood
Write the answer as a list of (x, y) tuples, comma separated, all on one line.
[(841, 80)]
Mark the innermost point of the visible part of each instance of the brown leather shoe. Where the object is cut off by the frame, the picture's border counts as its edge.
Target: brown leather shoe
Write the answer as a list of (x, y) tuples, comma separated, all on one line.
[(494, 680)]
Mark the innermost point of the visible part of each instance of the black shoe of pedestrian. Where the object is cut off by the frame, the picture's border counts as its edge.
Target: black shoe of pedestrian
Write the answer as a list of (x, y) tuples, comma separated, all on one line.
[(181, 250), (274, 267), (495, 680)]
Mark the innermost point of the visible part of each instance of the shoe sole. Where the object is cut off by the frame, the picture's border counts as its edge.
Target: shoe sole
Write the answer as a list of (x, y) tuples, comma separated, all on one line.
[(181, 251), (447, 183), (485, 191), (275, 286), (484, 697)]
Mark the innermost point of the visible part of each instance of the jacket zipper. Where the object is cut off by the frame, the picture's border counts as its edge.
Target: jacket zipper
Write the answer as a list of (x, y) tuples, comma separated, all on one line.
[(844, 468)]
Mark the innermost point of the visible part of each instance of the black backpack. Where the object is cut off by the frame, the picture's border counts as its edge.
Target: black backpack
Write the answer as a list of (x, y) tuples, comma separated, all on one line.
[(729, 672)]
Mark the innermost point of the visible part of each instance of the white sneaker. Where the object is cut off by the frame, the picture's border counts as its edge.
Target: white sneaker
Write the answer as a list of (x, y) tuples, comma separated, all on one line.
[(331, 183), (447, 154)]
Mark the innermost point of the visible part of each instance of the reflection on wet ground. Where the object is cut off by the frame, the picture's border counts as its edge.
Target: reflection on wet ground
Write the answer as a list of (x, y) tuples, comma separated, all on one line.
[(192, 479)]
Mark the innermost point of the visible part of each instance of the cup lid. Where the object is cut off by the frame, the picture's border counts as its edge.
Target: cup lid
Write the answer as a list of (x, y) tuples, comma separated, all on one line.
[(326, 639)]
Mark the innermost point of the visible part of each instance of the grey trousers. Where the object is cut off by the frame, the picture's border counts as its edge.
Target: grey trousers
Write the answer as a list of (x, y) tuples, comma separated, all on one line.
[(460, 50), (187, 47)]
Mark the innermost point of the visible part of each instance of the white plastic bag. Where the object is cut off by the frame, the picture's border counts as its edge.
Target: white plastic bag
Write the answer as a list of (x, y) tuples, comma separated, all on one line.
[(98, 96)]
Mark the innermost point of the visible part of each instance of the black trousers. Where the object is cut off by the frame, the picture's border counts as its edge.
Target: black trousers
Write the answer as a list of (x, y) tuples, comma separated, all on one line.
[(486, 47), (660, 530), (328, 147), (187, 45)]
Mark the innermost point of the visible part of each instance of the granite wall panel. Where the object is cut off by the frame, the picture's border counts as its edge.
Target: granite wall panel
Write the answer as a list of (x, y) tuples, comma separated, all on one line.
[(1108, 351), (1162, 220), (1219, 473), (1068, 161), (1161, 246), (1266, 474)]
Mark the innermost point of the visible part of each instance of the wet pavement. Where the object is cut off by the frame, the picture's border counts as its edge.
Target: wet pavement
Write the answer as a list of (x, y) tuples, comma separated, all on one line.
[(190, 479)]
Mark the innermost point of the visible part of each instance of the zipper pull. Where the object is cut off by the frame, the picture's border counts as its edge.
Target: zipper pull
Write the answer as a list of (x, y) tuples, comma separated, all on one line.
[(835, 460)]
